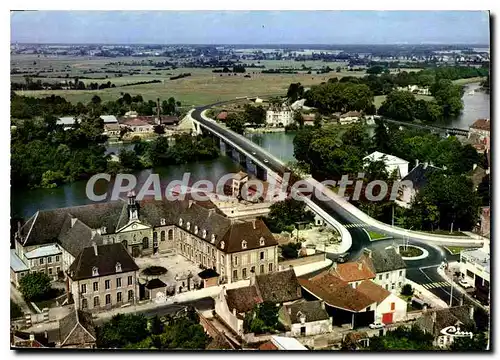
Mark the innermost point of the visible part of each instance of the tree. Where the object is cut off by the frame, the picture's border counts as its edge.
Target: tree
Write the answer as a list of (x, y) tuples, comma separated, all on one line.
[(476, 343), (52, 179), (484, 192), (402, 339), (156, 326), (129, 160), (284, 214), (122, 330), (375, 70), (356, 136), (236, 123), (381, 139), (34, 286), (15, 310), (159, 129), (290, 250), (127, 99), (96, 100), (262, 319), (298, 118), (301, 144), (407, 290), (295, 92), (255, 115), (399, 105)]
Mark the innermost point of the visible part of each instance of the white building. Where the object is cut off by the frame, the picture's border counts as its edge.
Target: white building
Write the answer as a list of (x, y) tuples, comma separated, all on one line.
[(392, 163), (67, 122), (415, 89), (109, 119), (279, 116), (475, 269), (306, 318), (390, 307), (349, 117), (287, 343)]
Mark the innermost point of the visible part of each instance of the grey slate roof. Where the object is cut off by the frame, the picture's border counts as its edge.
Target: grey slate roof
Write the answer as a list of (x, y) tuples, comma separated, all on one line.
[(420, 175), (105, 261), (243, 299), (443, 318), (387, 260), (76, 321), (155, 284), (279, 287), (312, 310)]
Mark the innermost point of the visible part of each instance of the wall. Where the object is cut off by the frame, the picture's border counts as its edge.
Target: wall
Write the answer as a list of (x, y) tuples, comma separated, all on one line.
[(251, 258), (385, 307), (387, 279), (302, 260), (228, 317), (312, 328)]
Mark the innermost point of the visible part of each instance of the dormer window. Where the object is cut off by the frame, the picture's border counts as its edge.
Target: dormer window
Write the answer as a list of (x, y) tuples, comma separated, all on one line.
[(196, 229), (212, 238), (180, 222), (95, 271), (204, 233), (103, 230), (243, 244), (162, 221), (262, 241), (188, 225), (118, 267), (222, 243)]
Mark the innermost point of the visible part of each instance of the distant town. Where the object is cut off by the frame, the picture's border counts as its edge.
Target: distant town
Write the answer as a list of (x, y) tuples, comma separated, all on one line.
[(324, 267)]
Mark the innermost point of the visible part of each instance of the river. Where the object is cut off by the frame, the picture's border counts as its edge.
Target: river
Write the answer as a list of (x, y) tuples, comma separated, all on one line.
[(26, 203)]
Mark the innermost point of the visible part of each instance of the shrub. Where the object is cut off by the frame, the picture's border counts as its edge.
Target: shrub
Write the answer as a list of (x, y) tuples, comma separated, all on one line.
[(407, 290)]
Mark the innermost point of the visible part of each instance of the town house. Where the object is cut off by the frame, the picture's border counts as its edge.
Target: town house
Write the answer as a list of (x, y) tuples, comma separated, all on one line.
[(279, 116)]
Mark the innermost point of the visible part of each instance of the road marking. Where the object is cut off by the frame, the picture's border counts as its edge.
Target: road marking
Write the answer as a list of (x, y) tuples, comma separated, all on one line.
[(438, 284), (350, 226)]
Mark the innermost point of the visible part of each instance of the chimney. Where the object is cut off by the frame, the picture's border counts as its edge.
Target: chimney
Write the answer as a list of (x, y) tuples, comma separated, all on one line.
[(253, 224), (461, 301), (474, 167), (94, 245), (158, 108), (289, 310), (211, 212), (322, 305), (426, 164), (334, 266), (234, 311), (471, 312), (367, 252), (73, 221), (360, 266), (396, 247), (433, 317), (32, 337)]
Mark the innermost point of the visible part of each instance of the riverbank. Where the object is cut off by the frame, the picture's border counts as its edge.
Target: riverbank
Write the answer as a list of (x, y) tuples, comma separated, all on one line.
[(469, 80), (264, 130)]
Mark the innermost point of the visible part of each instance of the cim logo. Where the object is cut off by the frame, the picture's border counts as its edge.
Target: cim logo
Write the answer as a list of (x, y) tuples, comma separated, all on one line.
[(455, 332)]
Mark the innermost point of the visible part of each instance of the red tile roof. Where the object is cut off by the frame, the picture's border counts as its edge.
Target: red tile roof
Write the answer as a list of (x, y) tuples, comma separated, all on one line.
[(335, 292), (373, 291), (134, 122), (268, 345), (355, 271), (481, 124), (222, 115)]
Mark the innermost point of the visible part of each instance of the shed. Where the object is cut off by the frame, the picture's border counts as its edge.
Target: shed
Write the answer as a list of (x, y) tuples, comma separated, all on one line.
[(210, 277)]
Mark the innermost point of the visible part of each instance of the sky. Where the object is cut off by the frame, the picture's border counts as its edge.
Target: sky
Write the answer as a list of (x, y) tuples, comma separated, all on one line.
[(251, 27)]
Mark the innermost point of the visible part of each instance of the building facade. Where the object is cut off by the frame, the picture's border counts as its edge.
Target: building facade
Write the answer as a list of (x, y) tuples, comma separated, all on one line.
[(279, 116)]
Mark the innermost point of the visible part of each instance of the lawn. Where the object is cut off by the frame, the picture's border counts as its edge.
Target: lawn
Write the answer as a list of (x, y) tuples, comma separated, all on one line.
[(468, 81), (455, 250), (446, 232), (410, 251), (376, 236)]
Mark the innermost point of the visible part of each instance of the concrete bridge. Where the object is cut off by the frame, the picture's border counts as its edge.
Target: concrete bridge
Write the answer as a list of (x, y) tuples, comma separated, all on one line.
[(336, 211)]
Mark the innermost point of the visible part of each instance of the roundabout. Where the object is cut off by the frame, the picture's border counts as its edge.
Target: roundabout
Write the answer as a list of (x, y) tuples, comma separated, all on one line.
[(412, 252)]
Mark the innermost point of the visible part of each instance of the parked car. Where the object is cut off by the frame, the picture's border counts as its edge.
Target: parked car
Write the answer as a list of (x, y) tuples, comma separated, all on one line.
[(342, 258), (254, 153), (376, 325), (266, 161), (464, 283)]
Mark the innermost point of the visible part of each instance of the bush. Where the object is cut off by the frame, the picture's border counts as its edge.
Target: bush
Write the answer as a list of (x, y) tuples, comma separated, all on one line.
[(15, 310), (407, 290), (35, 286)]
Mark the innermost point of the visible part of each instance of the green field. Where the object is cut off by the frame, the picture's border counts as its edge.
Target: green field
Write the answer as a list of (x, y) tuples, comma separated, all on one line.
[(454, 250), (203, 87), (376, 236), (468, 81)]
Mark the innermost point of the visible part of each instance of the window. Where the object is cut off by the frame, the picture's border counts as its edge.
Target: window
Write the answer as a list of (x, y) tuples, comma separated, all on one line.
[(95, 271), (41, 261), (380, 277), (270, 267), (119, 297), (162, 235), (118, 267), (401, 273), (49, 260), (58, 269), (262, 269), (393, 306), (57, 258), (130, 295), (96, 301), (108, 299), (196, 229), (155, 238), (50, 271), (399, 284), (235, 275), (212, 238), (393, 286), (222, 244), (129, 280), (118, 282), (236, 260), (204, 234), (96, 286), (262, 241), (107, 284), (85, 304), (188, 225), (170, 234), (262, 255), (243, 244), (180, 222), (252, 269), (222, 259), (244, 273), (387, 276), (145, 243), (386, 287), (162, 221), (84, 288)]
